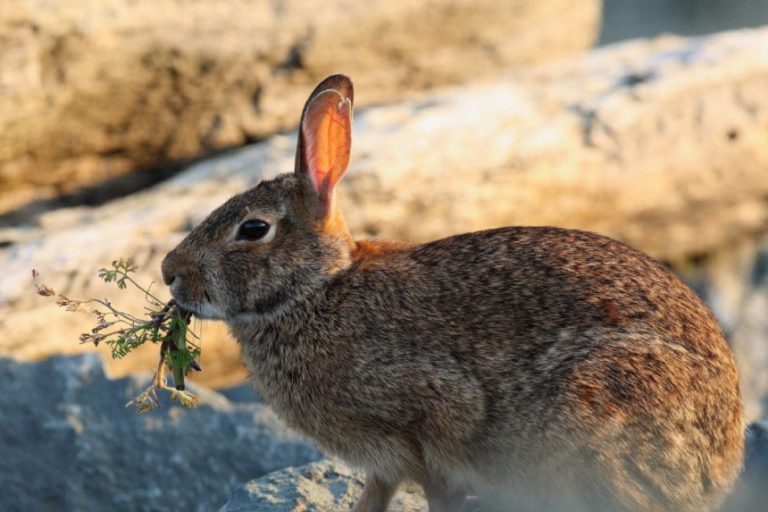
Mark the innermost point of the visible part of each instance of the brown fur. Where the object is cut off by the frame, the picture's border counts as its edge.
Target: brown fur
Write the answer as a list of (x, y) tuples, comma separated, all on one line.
[(541, 368)]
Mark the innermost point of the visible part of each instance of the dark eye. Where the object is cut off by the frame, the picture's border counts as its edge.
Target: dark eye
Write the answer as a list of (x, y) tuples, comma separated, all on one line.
[(252, 230)]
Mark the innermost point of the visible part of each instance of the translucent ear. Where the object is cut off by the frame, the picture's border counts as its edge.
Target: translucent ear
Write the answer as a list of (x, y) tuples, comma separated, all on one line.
[(325, 136)]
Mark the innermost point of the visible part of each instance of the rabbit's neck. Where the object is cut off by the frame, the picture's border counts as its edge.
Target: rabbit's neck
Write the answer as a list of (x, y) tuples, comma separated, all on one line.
[(286, 361), (285, 324)]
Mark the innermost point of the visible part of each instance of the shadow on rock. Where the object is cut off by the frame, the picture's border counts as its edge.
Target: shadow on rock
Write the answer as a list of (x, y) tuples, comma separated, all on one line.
[(68, 443)]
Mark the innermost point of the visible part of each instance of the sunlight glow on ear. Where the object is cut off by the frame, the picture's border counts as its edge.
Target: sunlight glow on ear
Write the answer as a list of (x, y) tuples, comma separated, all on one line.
[(327, 134)]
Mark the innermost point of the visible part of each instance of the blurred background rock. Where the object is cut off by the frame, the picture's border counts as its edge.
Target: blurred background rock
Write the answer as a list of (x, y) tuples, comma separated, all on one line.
[(92, 89), (123, 123), (628, 19)]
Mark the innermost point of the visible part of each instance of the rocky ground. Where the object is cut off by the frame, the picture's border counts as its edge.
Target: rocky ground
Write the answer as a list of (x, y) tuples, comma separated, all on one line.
[(68, 443)]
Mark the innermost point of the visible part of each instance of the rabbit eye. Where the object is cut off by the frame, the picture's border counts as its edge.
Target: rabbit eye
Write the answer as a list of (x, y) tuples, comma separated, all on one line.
[(253, 230)]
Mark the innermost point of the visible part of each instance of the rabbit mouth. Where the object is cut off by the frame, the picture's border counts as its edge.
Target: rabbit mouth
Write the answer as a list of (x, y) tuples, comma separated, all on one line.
[(196, 301), (203, 309)]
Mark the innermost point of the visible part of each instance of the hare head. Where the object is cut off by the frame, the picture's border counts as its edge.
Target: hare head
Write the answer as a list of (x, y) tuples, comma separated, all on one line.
[(271, 245)]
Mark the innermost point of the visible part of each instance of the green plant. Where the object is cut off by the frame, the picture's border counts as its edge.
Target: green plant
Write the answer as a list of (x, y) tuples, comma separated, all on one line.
[(166, 324)]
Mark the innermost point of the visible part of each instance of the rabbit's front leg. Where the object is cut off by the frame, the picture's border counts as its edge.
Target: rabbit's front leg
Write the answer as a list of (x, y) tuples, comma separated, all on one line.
[(376, 495)]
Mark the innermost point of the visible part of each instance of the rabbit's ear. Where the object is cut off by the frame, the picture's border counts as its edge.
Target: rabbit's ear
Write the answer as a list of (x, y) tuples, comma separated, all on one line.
[(325, 136)]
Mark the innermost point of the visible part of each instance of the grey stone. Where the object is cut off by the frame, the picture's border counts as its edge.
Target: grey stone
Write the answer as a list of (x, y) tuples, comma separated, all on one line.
[(68, 443), (240, 393), (325, 486)]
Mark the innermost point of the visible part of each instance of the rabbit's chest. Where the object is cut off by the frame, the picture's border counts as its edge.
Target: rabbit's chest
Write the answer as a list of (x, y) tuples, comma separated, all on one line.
[(302, 402), (292, 385), (310, 402), (284, 384)]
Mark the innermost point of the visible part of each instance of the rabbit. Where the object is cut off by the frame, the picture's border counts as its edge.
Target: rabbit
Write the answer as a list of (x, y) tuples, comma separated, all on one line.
[(535, 368)]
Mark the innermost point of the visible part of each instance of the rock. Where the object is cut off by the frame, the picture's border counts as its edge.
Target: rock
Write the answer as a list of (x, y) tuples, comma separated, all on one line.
[(240, 393), (67, 443), (325, 486), (751, 493), (632, 141), (90, 89)]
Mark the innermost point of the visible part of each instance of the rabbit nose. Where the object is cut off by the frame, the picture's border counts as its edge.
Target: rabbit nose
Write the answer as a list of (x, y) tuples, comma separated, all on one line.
[(168, 270)]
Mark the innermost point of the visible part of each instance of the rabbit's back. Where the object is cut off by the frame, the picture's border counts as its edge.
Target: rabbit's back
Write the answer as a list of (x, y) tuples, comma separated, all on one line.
[(566, 343)]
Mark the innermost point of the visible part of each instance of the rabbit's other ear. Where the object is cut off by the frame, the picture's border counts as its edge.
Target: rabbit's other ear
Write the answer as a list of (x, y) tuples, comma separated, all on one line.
[(325, 137)]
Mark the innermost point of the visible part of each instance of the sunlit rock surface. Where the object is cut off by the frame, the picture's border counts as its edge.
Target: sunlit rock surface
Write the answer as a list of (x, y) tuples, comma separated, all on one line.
[(92, 89)]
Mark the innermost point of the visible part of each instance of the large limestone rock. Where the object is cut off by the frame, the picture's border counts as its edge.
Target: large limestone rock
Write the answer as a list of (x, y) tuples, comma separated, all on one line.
[(67, 443), (663, 144), (90, 89)]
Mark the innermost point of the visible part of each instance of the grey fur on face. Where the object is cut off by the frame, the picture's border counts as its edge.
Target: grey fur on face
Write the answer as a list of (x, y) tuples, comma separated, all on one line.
[(213, 263)]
